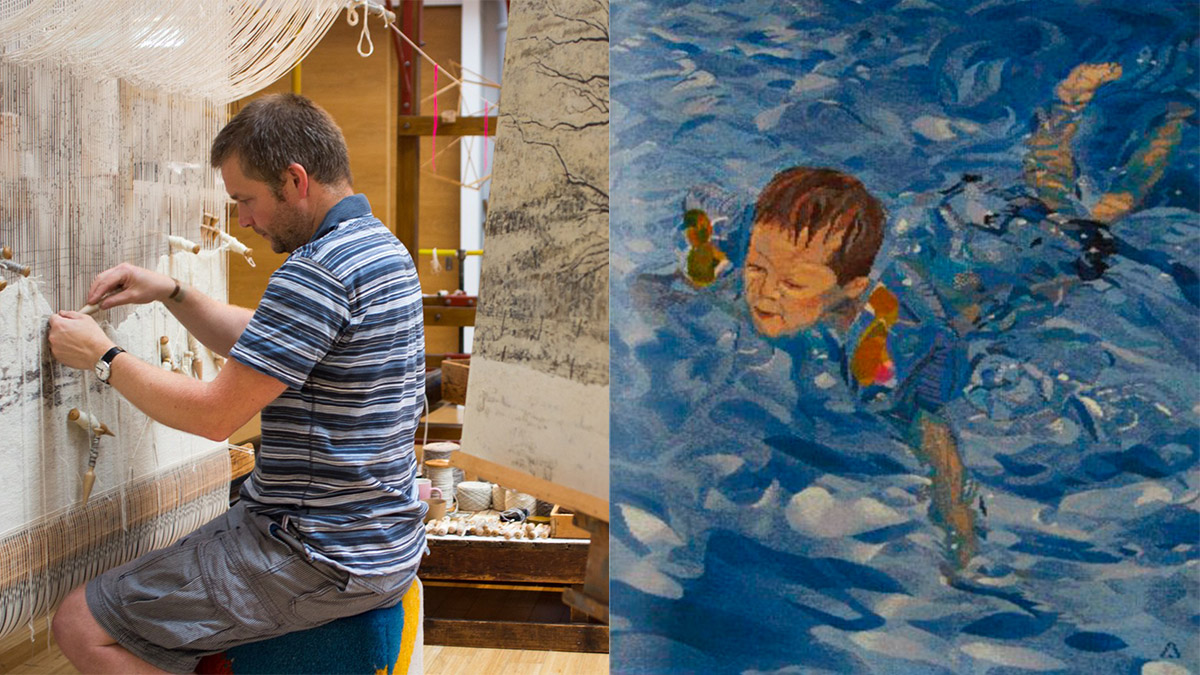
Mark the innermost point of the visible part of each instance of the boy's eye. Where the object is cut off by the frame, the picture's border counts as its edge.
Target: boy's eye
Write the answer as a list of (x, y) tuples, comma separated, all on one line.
[(792, 286), (754, 269)]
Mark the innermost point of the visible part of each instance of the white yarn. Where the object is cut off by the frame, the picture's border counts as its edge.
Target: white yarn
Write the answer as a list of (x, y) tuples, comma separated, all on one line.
[(442, 478), (220, 50), (474, 495), (504, 499), (520, 500), (440, 450)]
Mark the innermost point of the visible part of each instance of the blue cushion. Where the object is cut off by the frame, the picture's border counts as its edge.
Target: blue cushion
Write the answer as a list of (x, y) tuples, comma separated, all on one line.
[(364, 644)]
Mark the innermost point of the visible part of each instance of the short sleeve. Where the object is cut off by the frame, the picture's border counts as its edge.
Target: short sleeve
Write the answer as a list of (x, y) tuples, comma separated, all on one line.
[(303, 312)]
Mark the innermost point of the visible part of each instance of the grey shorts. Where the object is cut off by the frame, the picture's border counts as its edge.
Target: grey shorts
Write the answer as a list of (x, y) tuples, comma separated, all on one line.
[(240, 578)]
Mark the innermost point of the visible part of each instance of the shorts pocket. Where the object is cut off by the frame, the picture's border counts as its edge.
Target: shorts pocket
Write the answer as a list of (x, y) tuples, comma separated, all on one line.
[(336, 599), (323, 598), (232, 592), (165, 601)]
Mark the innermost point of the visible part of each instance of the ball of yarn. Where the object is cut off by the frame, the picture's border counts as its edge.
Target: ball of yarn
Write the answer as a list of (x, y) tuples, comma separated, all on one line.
[(474, 495), (520, 500)]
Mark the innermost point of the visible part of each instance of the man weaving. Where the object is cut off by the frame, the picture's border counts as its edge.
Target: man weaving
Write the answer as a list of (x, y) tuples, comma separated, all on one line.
[(333, 357)]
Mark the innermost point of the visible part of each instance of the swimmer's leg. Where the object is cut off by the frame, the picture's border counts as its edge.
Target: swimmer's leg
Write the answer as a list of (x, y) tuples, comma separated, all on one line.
[(1145, 168), (952, 507), (1050, 165)]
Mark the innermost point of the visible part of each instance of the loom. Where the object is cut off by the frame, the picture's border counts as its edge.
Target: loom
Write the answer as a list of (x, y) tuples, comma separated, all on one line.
[(107, 113)]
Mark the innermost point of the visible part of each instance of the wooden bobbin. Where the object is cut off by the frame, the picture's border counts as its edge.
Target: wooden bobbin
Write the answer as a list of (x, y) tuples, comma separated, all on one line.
[(196, 350), (89, 480), (11, 266), (89, 422), (228, 240), (6, 252), (181, 244)]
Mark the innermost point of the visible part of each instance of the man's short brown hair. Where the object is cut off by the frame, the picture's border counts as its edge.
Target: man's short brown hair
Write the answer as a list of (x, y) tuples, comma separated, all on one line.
[(811, 202), (272, 132)]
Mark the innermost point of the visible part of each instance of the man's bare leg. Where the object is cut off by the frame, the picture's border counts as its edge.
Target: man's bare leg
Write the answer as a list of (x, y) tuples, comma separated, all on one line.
[(88, 646)]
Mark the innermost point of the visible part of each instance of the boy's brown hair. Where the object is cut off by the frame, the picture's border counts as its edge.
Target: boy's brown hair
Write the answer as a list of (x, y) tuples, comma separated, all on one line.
[(826, 202)]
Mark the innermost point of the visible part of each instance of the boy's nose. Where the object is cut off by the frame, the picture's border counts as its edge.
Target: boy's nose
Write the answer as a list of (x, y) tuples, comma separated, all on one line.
[(769, 287)]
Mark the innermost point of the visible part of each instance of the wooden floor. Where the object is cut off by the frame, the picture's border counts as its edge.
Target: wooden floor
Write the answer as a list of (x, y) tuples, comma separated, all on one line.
[(438, 661)]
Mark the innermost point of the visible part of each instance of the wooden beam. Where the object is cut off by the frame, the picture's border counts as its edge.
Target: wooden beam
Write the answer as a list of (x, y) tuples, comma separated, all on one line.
[(454, 377), (555, 637), (574, 500), (241, 460), (422, 125), (408, 148)]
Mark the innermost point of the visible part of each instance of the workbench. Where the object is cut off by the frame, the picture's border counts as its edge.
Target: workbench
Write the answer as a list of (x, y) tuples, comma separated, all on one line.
[(507, 594)]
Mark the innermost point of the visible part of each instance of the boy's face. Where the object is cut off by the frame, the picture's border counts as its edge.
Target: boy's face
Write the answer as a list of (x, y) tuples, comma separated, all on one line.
[(789, 284)]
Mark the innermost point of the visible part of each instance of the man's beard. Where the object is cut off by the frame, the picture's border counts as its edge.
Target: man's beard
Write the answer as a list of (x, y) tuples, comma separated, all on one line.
[(290, 231)]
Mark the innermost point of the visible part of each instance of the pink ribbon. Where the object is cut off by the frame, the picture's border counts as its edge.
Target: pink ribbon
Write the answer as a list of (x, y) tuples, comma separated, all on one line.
[(433, 143)]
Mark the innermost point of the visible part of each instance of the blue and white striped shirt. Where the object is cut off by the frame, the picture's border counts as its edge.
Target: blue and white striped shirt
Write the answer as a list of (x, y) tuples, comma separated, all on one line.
[(341, 325)]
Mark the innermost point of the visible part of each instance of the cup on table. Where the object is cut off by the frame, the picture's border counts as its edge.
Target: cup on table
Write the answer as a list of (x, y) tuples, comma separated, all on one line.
[(425, 489), (437, 508)]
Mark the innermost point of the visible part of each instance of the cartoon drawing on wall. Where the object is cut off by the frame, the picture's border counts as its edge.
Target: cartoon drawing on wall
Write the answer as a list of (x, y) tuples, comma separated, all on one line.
[(904, 358)]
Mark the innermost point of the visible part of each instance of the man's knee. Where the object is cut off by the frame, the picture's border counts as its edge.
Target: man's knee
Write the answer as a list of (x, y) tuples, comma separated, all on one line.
[(74, 625)]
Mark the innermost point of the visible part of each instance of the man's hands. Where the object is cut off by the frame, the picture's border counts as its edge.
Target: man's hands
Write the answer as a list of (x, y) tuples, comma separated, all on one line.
[(77, 341), (126, 284)]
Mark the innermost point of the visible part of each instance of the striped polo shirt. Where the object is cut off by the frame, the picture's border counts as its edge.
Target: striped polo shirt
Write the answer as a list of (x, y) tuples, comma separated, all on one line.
[(341, 325)]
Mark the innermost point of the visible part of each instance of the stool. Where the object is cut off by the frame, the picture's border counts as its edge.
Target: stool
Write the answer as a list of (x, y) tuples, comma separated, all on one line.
[(380, 642)]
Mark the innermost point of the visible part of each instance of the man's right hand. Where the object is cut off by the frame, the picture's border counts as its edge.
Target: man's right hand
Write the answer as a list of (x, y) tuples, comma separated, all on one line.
[(127, 284)]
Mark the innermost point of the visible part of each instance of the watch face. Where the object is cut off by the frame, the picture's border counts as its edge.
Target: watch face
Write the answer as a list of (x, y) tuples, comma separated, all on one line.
[(102, 370)]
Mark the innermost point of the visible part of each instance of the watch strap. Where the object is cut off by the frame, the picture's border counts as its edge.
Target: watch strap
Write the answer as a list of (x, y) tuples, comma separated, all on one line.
[(104, 365), (111, 354)]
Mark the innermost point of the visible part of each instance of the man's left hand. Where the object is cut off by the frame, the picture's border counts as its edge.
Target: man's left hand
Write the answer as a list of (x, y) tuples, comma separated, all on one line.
[(76, 340)]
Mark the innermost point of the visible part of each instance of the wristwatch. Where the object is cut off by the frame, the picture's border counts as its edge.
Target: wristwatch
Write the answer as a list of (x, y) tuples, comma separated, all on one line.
[(104, 365)]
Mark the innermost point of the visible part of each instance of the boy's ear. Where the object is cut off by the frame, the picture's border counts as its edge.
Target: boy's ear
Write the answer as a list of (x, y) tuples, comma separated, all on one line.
[(856, 287)]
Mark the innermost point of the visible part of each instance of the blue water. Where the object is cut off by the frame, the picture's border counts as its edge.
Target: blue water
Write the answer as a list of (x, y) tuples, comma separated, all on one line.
[(768, 518)]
